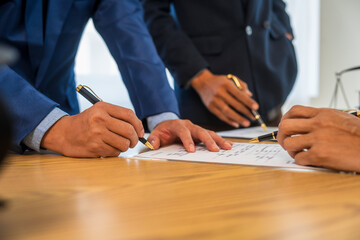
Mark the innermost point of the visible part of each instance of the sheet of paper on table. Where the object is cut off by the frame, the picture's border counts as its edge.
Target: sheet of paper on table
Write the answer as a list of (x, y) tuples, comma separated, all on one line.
[(247, 133), (271, 155)]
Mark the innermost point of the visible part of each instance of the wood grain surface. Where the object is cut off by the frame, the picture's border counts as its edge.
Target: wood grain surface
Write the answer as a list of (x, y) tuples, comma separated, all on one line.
[(54, 197)]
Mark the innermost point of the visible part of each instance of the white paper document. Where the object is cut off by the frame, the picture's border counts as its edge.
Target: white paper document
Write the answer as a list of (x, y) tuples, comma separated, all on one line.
[(247, 133), (241, 153)]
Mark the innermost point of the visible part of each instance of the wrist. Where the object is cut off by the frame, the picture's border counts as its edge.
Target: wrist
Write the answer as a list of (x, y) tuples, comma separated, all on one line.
[(54, 138), (198, 82)]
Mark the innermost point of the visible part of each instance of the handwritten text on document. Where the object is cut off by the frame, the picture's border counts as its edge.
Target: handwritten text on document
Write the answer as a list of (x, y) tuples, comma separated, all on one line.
[(241, 153)]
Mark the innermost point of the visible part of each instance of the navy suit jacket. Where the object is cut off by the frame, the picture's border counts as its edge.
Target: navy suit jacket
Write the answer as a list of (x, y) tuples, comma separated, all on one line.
[(225, 37), (44, 77)]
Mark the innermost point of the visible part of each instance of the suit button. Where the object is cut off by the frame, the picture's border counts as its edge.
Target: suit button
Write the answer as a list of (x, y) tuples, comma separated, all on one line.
[(248, 30), (266, 24)]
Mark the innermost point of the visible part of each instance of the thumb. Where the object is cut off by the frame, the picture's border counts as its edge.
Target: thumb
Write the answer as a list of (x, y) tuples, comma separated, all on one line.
[(154, 140)]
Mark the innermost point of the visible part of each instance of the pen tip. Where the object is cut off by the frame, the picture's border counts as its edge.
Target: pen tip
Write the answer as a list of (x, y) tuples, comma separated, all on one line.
[(264, 126), (254, 140), (149, 145)]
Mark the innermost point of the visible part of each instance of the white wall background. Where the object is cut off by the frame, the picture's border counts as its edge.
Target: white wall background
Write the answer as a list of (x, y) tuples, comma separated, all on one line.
[(305, 20), (334, 32), (96, 68), (339, 49)]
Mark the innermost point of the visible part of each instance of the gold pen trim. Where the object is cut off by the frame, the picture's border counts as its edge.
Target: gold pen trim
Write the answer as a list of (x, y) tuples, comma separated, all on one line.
[(149, 145), (79, 87), (257, 116), (235, 79)]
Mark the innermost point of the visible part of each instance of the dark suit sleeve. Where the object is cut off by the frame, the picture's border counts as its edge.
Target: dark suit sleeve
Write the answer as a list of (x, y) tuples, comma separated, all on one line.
[(174, 46), (281, 14), (122, 26), (27, 106)]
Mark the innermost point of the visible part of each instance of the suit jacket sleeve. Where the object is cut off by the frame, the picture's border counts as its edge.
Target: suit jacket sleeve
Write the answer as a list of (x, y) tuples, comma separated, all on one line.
[(174, 46), (121, 25), (27, 106), (282, 16)]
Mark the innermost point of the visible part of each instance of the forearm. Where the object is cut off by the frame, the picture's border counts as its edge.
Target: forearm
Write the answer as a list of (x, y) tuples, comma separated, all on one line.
[(174, 46), (27, 106), (141, 68), (281, 14)]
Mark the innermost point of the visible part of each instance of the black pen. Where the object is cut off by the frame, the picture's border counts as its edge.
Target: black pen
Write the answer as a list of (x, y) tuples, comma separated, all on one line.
[(93, 98), (254, 112), (273, 135), (354, 112), (265, 137)]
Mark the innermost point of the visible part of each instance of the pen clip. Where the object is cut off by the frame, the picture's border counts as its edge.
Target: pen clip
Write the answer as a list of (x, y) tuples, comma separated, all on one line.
[(88, 88), (235, 80)]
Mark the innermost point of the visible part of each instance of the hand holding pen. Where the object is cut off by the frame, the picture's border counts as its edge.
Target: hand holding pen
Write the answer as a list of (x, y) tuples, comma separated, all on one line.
[(223, 98), (273, 135), (257, 116), (321, 137), (103, 130), (93, 98)]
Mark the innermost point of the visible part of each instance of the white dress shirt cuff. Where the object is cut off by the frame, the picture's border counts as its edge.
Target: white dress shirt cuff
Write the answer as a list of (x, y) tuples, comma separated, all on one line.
[(153, 121)]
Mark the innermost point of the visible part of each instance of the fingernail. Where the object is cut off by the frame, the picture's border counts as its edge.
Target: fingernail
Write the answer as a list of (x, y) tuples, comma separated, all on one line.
[(152, 141), (235, 125), (249, 93), (216, 148), (245, 123), (191, 148), (255, 106), (228, 145), (230, 142)]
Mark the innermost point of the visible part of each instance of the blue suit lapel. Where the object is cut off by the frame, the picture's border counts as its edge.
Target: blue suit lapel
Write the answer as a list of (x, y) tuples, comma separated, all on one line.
[(34, 30), (56, 16)]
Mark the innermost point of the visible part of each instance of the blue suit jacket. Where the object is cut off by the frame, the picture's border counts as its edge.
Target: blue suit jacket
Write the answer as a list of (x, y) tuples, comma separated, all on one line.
[(226, 37), (44, 77)]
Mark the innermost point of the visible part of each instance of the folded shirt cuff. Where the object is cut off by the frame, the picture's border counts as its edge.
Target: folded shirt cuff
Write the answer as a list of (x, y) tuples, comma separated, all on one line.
[(33, 139), (153, 121)]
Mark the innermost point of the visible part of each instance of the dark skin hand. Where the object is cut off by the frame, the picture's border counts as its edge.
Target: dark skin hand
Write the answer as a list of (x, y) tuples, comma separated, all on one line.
[(221, 96), (103, 130), (321, 137)]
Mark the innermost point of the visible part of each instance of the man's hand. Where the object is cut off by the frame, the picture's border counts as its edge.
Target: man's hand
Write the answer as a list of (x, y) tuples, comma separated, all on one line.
[(221, 97), (170, 131), (321, 137), (289, 36), (101, 131)]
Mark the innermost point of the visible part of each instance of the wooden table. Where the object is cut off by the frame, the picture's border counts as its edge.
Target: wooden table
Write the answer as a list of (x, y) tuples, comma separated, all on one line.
[(54, 197)]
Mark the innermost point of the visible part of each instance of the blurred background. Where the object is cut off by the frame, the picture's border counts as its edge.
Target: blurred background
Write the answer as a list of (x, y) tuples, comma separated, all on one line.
[(327, 40)]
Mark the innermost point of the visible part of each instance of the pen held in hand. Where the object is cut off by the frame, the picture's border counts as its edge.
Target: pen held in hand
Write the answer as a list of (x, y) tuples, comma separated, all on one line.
[(273, 135), (93, 98), (254, 112), (265, 137)]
